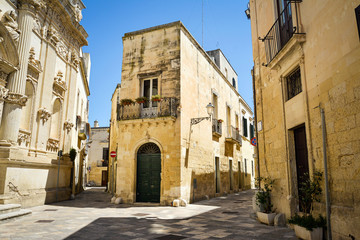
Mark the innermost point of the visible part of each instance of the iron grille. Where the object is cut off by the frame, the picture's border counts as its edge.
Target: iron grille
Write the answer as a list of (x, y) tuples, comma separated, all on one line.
[(293, 82), (282, 30), (217, 126), (165, 108)]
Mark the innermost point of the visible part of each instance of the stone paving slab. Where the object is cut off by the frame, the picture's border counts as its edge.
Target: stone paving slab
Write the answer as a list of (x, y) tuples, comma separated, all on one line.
[(92, 216)]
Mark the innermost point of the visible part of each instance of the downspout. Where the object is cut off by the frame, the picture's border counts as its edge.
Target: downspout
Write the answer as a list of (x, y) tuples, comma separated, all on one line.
[(256, 132), (327, 195)]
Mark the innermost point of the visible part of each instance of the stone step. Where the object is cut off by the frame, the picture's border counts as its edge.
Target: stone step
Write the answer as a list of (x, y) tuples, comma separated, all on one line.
[(12, 215), (6, 208)]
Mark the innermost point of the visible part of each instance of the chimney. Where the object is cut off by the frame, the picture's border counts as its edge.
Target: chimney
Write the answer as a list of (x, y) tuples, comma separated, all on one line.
[(96, 123)]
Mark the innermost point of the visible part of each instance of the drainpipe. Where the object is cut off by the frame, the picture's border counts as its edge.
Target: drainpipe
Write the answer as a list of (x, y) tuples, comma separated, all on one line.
[(256, 132), (327, 195)]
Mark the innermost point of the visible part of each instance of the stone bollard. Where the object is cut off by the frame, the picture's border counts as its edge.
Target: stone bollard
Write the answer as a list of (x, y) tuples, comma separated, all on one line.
[(183, 202), (280, 220), (176, 203), (118, 200), (113, 199)]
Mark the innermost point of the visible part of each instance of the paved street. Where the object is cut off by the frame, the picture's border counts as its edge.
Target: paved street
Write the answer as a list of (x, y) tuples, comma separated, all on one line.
[(92, 216)]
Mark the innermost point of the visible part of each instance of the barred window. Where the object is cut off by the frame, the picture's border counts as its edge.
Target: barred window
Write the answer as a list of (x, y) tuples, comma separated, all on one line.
[(293, 83)]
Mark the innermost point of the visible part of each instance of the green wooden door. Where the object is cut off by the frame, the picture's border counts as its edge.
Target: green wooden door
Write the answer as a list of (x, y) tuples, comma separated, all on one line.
[(148, 178)]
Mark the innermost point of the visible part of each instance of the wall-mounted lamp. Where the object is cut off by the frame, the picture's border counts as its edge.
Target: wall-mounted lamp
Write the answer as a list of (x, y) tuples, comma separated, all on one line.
[(247, 11), (210, 111)]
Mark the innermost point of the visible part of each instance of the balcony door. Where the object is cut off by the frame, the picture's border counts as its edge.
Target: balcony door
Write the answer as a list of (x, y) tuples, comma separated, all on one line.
[(284, 21), (149, 88)]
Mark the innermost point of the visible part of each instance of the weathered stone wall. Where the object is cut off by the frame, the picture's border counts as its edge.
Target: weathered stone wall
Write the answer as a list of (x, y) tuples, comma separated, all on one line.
[(328, 56), (200, 79), (149, 54)]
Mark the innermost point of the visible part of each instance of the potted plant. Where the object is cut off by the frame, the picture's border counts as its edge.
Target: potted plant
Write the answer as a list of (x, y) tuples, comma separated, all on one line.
[(126, 101), (220, 120), (141, 99), (263, 200), (306, 226), (156, 98)]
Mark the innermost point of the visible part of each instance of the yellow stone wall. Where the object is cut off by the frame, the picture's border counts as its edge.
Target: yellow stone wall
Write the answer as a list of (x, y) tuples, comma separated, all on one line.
[(329, 59)]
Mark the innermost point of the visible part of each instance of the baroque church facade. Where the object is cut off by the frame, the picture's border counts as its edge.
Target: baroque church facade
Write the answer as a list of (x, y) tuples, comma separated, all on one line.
[(44, 85)]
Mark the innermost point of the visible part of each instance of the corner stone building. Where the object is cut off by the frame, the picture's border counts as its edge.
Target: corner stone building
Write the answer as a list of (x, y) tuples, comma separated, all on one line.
[(161, 156), (307, 60), (43, 99)]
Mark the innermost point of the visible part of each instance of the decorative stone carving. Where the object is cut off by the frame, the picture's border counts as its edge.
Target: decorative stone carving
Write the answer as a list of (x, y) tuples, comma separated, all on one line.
[(37, 27), (52, 36), (23, 138), (3, 93), (78, 15), (3, 76), (59, 86), (9, 19), (62, 50), (16, 98), (52, 145), (44, 114), (74, 59), (68, 126)]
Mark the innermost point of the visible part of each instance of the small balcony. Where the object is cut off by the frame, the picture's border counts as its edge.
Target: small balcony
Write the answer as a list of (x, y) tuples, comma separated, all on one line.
[(216, 127), (233, 135), (285, 27), (167, 107)]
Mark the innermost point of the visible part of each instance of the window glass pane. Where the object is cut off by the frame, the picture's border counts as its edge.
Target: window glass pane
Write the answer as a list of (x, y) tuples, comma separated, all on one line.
[(155, 87), (146, 92), (154, 91), (293, 82)]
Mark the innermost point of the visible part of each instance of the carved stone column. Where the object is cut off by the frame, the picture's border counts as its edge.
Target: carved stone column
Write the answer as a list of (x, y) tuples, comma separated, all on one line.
[(16, 99)]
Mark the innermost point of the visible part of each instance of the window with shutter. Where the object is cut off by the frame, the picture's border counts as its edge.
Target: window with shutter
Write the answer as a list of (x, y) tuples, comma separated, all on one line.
[(245, 127)]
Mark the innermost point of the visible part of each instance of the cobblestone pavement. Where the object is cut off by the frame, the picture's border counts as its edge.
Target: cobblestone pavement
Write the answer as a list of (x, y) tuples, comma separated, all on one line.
[(92, 216)]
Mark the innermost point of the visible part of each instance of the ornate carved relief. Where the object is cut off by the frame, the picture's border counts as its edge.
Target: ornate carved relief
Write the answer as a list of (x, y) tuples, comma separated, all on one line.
[(74, 59), (59, 86), (52, 36), (35, 63), (32, 5), (44, 114), (16, 98), (3, 93), (3, 77), (9, 19), (52, 145), (23, 138), (68, 126), (62, 50)]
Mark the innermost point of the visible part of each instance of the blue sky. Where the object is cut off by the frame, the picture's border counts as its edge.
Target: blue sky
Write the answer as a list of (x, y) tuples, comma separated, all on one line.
[(225, 27)]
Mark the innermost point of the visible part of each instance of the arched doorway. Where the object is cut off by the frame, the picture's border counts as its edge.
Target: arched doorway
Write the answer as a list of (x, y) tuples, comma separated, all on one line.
[(148, 173)]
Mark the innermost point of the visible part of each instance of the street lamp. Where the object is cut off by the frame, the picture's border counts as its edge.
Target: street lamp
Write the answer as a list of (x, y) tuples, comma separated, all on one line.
[(210, 111), (247, 11)]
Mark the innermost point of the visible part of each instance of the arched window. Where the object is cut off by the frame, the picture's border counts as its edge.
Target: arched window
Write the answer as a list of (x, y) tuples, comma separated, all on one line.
[(149, 148), (56, 120), (27, 109)]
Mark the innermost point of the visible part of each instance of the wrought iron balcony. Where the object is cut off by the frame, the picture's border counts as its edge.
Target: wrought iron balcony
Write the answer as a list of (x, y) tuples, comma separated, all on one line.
[(282, 30), (216, 127), (164, 108), (233, 135)]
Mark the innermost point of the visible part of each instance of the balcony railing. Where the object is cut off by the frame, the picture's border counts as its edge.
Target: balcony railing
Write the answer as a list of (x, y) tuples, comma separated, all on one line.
[(282, 30), (165, 108), (233, 134), (217, 126)]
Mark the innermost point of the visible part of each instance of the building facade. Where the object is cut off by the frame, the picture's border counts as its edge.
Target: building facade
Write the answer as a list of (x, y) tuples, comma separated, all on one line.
[(166, 146), (307, 79), (43, 107), (98, 156)]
